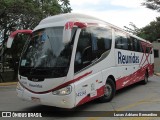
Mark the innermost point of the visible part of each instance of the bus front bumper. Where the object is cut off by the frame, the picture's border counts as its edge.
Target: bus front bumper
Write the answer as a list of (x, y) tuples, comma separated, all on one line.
[(62, 101)]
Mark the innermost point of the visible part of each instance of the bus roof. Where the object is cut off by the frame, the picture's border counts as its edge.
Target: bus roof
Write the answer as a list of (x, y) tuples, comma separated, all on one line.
[(62, 19)]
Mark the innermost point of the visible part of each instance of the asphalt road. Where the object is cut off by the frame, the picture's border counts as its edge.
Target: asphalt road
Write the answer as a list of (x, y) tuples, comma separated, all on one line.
[(134, 98)]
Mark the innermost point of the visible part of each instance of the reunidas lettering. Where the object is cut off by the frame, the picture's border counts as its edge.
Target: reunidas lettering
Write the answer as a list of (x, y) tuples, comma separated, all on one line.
[(127, 59), (36, 85)]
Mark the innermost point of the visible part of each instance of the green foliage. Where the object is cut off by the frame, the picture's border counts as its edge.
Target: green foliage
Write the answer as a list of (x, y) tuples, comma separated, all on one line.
[(132, 28), (152, 4), (25, 14), (151, 32)]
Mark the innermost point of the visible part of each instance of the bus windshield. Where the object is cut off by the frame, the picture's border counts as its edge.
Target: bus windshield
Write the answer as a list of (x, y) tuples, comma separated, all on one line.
[(46, 54)]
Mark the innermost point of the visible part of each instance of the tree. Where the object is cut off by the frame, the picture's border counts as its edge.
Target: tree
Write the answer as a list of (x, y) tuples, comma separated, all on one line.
[(132, 28), (25, 14), (151, 32), (152, 4), (64, 6)]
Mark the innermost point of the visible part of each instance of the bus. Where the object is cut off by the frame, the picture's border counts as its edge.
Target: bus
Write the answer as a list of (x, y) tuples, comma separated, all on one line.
[(70, 59)]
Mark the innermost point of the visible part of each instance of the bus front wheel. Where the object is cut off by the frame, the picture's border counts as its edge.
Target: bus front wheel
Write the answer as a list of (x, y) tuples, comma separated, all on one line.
[(109, 91)]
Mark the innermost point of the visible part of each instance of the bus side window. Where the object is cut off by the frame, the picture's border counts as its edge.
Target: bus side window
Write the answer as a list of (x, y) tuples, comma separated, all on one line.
[(118, 42), (130, 44), (83, 55), (122, 41), (148, 50), (101, 41), (135, 44), (139, 46), (93, 42)]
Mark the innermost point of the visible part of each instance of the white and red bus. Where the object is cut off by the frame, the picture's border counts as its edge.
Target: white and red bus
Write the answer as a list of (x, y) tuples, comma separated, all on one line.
[(71, 59)]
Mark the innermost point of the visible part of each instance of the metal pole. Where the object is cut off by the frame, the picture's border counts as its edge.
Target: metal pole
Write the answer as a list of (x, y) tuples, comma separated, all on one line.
[(1, 78), (1, 61), (3, 55)]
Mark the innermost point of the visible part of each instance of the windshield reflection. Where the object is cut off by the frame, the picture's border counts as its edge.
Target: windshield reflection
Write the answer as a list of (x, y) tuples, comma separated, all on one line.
[(47, 53)]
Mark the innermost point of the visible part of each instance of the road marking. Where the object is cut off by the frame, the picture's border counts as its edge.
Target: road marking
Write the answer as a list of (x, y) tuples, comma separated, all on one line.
[(143, 101), (138, 118)]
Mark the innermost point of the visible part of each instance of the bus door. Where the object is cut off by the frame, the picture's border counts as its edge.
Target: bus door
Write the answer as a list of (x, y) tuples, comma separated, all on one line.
[(123, 63), (84, 68)]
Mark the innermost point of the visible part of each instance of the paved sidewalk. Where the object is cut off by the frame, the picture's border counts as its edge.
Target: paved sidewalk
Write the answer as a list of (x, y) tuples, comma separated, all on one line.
[(8, 83), (158, 74)]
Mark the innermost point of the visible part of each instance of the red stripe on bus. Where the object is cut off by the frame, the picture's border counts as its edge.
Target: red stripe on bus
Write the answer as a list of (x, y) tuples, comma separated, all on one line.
[(60, 86), (132, 78), (100, 92)]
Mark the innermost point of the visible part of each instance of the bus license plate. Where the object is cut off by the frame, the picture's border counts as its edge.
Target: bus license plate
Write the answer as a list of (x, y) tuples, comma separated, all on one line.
[(34, 99)]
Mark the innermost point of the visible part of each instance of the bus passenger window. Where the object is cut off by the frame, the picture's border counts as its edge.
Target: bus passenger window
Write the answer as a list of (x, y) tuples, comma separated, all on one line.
[(83, 55), (93, 43), (122, 42), (125, 43), (148, 50), (139, 45), (135, 44), (101, 41)]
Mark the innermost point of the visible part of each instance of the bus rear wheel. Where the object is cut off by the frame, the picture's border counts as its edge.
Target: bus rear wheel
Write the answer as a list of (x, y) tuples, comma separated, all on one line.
[(109, 91), (145, 81)]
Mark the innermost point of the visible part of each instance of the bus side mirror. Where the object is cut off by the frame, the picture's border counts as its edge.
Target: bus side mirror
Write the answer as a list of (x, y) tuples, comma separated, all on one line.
[(13, 35)]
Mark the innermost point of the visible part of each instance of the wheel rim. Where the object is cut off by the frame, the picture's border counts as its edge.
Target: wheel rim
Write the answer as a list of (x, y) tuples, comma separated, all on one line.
[(107, 90)]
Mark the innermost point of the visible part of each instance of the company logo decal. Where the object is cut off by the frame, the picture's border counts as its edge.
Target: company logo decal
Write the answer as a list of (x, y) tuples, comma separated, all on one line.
[(35, 85), (126, 59)]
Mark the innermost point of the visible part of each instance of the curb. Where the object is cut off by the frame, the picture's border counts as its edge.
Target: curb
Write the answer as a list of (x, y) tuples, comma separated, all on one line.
[(158, 74), (8, 83)]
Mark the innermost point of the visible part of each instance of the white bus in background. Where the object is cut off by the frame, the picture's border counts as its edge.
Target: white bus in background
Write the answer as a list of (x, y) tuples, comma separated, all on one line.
[(71, 59)]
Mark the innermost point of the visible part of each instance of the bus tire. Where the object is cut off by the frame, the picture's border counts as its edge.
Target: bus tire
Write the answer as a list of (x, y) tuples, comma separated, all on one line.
[(145, 81), (109, 91)]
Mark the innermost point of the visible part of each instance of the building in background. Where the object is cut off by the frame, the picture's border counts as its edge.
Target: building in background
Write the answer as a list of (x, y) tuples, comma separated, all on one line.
[(156, 47)]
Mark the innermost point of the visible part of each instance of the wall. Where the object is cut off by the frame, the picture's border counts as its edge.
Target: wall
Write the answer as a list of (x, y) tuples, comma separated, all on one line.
[(156, 46)]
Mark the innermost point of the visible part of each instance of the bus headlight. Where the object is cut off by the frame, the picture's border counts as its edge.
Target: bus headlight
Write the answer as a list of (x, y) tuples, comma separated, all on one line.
[(64, 91)]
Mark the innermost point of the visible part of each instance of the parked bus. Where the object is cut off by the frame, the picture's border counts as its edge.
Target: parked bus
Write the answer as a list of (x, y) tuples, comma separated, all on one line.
[(71, 59)]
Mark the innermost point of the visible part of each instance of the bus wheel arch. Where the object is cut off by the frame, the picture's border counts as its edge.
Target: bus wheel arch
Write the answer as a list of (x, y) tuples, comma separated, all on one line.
[(109, 90), (112, 77)]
